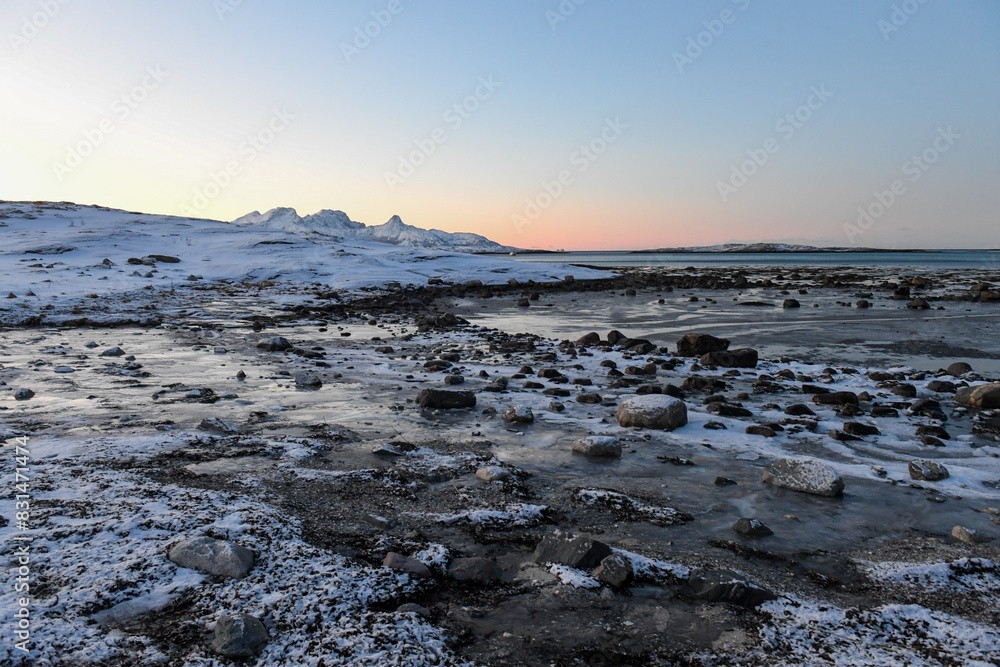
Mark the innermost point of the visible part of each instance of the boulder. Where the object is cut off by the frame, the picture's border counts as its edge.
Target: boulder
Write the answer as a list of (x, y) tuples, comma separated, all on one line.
[(275, 344), (580, 552), (401, 563), (492, 473), (213, 556), (598, 445), (166, 259), (519, 415), (480, 570), (968, 535), (593, 338), (806, 476), (985, 396), (113, 352), (726, 586), (656, 411), (927, 471), (959, 368), (239, 636), (308, 381), (615, 571), (799, 410), (752, 528), (442, 399), (918, 304), (696, 345), (859, 429), (741, 358), (791, 303), (727, 410), (836, 398), (23, 394), (760, 429)]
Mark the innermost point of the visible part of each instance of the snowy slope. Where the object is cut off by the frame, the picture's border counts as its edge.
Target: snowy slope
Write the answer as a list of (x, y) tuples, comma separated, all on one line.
[(57, 251), (395, 231)]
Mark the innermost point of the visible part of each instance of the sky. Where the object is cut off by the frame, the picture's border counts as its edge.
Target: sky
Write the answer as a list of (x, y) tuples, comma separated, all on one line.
[(558, 124)]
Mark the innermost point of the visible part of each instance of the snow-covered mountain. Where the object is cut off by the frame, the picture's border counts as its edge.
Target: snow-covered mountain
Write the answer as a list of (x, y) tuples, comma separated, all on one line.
[(395, 231)]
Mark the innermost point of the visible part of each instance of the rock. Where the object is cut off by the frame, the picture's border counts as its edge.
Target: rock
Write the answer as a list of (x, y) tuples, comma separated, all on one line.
[(985, 396), (580, 552), (883, 411), (216, 425), (759, 429), (724, 481), (928, 408), (442, 399), (166, 259), (492, 473), (927, 471), (523, 303), (556, 406), (90, 344), (412, 607), (857, 428), (454, 379), (931, 441), (837, 434), (593, 338), (401, 563), (959, 368), (589, 398), (836, 398), (933, 431), (968, 535), (864, 303), (23, 394), (696, 345), (727, 410), (741, 358), (904, 390), (113, 352), (275, 344), (807, 476), (219, 557), (615, 571), (308, 381), (519, 415), (799, 410), (241, 375), (479, 570), (752, 528), (726, 586), (942, 387), (790, 303), (614, 336), (598, 445), (918, 304), (239, 636), (655, 411)]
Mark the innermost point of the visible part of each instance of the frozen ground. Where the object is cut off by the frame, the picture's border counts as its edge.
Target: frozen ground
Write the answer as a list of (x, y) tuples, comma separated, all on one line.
[(130, 454)]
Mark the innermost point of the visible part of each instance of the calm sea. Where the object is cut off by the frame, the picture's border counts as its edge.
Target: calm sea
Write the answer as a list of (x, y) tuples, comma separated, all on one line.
[(929, 260)]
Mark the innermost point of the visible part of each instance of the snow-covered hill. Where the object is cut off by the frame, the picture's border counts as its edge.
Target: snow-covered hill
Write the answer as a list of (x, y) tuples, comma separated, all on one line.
[(396, 232), (56, 253)]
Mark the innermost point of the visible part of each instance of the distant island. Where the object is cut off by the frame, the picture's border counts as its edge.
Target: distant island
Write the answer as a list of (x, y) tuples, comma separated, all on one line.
[(768, 248)]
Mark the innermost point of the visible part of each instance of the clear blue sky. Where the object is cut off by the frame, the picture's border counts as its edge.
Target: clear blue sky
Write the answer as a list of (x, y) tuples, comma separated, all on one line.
[(671, 136)]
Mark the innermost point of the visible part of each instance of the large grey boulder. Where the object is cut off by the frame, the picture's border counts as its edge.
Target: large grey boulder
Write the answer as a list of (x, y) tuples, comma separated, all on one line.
[(239, 636), (653, 411), (806, 476), (726, 586), (213, 556), (581, 551), (985, 396)]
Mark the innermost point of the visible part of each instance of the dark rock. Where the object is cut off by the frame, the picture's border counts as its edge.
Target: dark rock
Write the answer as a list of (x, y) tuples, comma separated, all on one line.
[(23, 394), (929, 408), (592, 338), (836, 398), (697, 345), (933, 430), (985, 396), (726, 586), (741, 358), (239, 636), (614, 336), (904, 390), (615, 571), (308, 381), (799, 410), (790, 303), (519, 415), (454, 379), (589, 398), (927, 471), (837, 434), (727, 410), (166, 259), (752, 528), (883, 411), (442, 399), (580, 552), (959, 368), (758, 429), (857, 428), (275, 344), (918, 304), (724, 481), (113, 352)]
